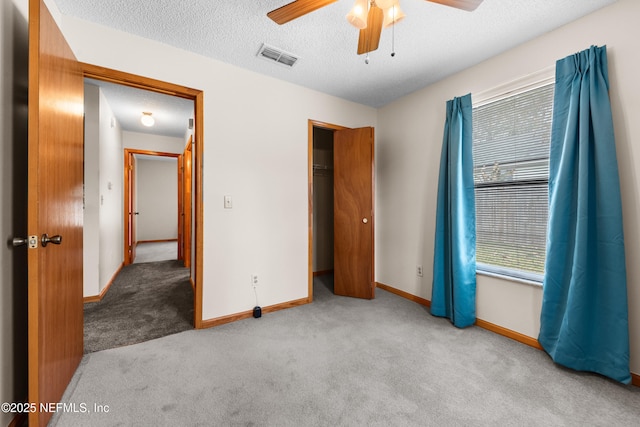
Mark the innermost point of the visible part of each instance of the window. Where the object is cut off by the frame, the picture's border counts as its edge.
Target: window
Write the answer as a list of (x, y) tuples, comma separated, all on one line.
[(511, 136)]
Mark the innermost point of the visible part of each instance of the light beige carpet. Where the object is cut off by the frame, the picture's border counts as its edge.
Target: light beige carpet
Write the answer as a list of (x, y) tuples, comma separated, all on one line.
[(342, 362)]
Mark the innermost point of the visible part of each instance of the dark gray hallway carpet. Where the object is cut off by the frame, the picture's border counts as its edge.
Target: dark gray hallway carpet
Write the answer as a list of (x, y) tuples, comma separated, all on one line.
[(146, 301)]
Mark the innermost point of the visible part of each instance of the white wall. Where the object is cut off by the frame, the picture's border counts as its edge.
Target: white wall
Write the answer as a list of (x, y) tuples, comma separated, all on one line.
[(103, 251), (111, 193), (408, 154), (91, 228), (255, 149), (157, 198), (13, 136)]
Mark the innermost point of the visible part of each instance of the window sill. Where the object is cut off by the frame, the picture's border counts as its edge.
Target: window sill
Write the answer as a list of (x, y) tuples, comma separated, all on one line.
[(489, 273)]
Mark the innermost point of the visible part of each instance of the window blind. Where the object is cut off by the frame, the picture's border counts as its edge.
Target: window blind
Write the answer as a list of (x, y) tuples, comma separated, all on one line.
[(511, 172)]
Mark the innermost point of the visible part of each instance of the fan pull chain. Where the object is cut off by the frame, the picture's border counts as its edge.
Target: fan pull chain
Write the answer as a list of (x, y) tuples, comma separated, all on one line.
[(366, 58), (393, 33)]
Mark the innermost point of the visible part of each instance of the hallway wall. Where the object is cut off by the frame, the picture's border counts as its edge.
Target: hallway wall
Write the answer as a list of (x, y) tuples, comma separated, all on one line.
[(103, 221), (157, 198)]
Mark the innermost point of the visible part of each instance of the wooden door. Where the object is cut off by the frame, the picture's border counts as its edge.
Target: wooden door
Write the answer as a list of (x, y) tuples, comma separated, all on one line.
[(55, 179), (130, 208), (187, 193), (353, 213), (180, 212)]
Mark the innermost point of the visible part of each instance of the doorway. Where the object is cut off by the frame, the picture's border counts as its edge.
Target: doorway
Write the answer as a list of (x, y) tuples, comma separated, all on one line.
[(137, 204), (55, 204), (196, 150), (322, 259), (154, 205), (341, 208)]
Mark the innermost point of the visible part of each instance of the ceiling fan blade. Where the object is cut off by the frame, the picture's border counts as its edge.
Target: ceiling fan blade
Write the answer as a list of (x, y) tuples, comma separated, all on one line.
[(370, 36), (468, 5), (296, 9)]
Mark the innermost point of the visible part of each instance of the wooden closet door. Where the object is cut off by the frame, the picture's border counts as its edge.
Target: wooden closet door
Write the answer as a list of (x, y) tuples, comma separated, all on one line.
[(353, 213)]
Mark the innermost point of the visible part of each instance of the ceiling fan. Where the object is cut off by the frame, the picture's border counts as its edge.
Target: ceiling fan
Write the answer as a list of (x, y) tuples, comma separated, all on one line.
[(369, 16)]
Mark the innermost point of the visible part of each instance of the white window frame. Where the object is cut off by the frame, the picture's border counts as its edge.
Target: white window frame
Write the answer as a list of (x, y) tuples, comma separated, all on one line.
[(523, 84)]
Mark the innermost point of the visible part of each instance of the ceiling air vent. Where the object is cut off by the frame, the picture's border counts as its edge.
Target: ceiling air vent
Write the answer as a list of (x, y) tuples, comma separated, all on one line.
[(279, 56)]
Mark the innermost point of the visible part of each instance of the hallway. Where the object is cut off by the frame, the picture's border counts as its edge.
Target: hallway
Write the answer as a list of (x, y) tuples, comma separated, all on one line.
[(149, 299), (156, 251)]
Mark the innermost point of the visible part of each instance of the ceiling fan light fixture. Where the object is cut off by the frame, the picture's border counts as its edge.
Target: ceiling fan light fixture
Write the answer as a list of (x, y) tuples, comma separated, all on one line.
[(146, 119), (369, 16), (393, 15), (358, 15)]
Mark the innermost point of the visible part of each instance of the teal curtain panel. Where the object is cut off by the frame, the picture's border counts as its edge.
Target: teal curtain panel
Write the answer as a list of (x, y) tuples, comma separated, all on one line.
[(584, 319), (454, 266)]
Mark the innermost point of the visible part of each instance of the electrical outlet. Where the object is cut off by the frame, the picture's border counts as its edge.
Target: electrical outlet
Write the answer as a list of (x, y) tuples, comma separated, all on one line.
[(254, 280), (419, 270)]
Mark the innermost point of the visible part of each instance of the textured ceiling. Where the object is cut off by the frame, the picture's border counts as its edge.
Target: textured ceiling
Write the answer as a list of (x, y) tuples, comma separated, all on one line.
[(171, 113), (432, 42)]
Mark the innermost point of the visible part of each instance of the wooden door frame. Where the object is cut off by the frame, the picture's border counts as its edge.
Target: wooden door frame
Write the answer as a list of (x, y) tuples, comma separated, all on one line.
[(197, 96), (311, 125), (179, 161), (187, 172), (129, 227), (129, 154)]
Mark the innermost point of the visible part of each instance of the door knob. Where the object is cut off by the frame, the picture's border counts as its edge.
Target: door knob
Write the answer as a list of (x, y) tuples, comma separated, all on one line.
[(45, 240), (365, 220)]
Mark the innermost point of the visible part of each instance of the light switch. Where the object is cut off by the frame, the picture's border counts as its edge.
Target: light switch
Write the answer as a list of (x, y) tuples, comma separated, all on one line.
[(227, 202)]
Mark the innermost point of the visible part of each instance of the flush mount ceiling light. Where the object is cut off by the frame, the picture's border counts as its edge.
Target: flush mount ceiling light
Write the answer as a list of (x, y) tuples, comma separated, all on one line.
[(146, 119), (368, 16)]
